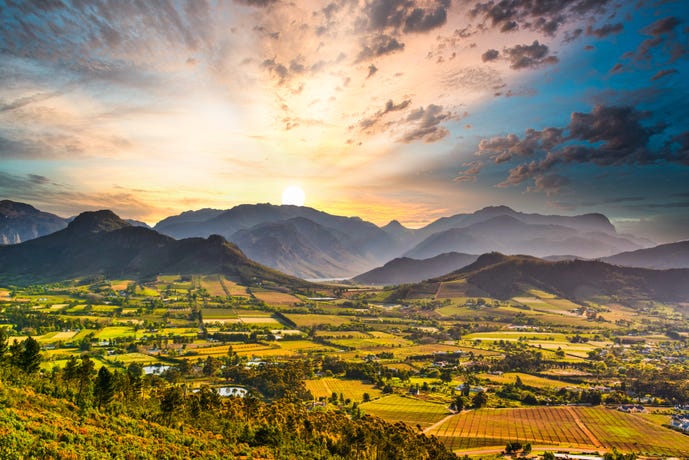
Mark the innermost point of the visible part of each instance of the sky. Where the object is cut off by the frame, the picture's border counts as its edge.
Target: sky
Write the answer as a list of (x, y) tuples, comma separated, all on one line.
[(385, 109)]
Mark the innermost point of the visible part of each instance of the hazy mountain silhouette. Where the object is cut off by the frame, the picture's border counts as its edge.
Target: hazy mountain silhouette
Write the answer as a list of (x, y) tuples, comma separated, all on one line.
[(671, 255), (587, 236), (502, 277), (405, 270), (22, 222), (297, 239), (101, 243)]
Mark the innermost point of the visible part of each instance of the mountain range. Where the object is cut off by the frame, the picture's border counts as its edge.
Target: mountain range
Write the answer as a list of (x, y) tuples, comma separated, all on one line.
[(502, 277), (308, 243), (100, 243)]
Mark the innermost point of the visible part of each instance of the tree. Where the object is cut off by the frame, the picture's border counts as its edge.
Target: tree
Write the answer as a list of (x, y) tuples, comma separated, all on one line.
[(84, 373), (480, 399), (548, 455), (26, 355), (458, 403), (104, 388)]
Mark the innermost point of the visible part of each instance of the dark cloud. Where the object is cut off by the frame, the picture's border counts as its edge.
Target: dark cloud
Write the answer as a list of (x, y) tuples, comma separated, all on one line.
[(663, 73), (662, 26), (368, 123), (277, 69), (573, 35), (617, 68), (605, 30), (372, 69), (549, 183), (379, 45), (38, 179), (256, 3), (663, 43), (503, 149), (529, 56), (677, 148), (490, 55), (408, 16), (421, 20), (426, 123), (540, 15), (607, 136)]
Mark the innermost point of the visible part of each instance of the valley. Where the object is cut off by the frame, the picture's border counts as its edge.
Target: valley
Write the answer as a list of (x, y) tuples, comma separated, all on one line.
[(474, 372), (459, 354)]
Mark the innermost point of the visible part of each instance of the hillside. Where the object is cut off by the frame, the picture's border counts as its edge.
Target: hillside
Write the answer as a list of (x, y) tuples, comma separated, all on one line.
[(503, 277), (100, 243), (664, 256), (21, 222), (405, 270)]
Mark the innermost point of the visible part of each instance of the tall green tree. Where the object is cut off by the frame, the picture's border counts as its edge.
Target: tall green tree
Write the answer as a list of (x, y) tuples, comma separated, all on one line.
[(104, 387), (26, 355)]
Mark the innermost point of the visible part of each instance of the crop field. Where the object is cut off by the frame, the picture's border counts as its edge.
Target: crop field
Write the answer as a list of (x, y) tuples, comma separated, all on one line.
[(563, 426), (302, 320), (554, 426), (213, 285), (219, 313), (277, 298), (342, 334), (452, 290), (375, 339), (409, 410), (529, 380), (350, 389), (632, 433), (112, 332), (305, 346)]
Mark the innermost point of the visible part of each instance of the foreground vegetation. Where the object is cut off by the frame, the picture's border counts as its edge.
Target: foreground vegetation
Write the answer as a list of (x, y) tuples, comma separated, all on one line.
[(98, 368)]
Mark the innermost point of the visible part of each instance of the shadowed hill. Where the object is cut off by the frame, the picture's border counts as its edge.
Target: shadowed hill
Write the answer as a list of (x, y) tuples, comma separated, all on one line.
[(102, 243), (503, 277), (672, 255), (405, 270)]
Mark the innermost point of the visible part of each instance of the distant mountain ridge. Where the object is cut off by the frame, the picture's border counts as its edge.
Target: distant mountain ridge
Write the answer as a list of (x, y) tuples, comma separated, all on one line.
[(664, 256), (308, 243), (22, 222), (503, 277), (100, 243), (297, 239), (337, 246), (405, 270)]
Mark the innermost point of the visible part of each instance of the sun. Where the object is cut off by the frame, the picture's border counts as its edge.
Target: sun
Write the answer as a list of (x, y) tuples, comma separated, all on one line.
[(293, 195)]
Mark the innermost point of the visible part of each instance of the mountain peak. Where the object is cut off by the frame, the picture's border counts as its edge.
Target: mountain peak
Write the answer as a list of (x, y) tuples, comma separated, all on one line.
[(496, 210), (97, 221), (394, 225)]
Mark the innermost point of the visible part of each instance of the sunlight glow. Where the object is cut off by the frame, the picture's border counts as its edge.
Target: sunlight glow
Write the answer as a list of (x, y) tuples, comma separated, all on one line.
[(293, 195)]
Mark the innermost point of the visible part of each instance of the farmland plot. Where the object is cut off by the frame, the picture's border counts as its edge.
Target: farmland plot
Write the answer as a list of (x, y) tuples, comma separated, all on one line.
[(350, 389), (412, 411)]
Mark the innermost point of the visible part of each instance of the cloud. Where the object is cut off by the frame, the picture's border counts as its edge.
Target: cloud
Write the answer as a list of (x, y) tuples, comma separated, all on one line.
[(607, 136), (257, 3), (379, 45), (470, 171), (529, 56), (605, 30), (503, 149), (372, 69), (408, 16), (663, 44), (542, 16), (550, 184), (490, 55), (663, 73), (421, 20), (426, 123), (367, 123)]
